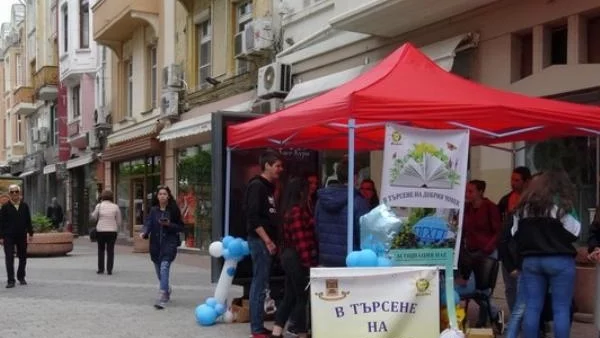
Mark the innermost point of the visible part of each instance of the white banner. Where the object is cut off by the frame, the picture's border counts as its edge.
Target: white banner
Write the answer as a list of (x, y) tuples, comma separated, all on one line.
[(375, 302)]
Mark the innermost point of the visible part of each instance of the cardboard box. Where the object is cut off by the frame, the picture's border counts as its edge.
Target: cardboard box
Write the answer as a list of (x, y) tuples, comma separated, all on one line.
[(480, 333)]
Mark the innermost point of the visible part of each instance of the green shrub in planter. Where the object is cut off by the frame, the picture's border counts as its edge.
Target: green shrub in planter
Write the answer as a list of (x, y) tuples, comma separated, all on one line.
[(41, 223)]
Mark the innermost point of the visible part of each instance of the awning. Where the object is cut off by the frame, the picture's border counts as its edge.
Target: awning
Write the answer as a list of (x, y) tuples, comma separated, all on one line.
[(240, 108), (49, 169), (141, 129), (193, 126), (141, 146), (442, 52), (28, 173), (80, 161)]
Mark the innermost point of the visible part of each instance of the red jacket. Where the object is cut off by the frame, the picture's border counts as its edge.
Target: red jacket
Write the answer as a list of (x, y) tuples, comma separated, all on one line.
[(482, 227)]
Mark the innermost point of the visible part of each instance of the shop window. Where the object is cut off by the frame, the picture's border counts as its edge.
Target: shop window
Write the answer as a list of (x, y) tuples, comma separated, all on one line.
[(558, 45), (194, 167), (593, 36)]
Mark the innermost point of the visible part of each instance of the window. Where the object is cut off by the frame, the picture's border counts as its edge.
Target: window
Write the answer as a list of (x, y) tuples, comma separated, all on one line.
[(84, 24), (204, 36), (76, 102), (243, 18), (53, 125), (20, 71), (129, 86), (8, 134), (7, 84), (65, 27), (593, 36), (103, 83), (53, 18), (153, 76), (19, 131), (522, 55), (558, 45), (31, 14)]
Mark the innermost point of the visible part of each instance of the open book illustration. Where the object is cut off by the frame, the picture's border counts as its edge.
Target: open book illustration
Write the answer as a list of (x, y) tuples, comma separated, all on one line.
[(430, 173)]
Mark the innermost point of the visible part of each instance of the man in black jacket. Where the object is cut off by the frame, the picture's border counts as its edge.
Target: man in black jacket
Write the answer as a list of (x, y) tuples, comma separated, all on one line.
[(15, 231)]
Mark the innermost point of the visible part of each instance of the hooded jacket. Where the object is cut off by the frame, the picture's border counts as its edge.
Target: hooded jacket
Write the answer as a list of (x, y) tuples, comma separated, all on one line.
[(260, 207), (331, 224)]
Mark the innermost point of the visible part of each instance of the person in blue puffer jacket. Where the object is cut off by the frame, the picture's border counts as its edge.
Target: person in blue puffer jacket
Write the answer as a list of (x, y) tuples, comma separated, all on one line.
[(163, 225), (331, 215)]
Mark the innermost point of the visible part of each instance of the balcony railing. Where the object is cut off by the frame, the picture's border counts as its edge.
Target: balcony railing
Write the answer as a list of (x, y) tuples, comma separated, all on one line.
[(23, 95), (46, 76)]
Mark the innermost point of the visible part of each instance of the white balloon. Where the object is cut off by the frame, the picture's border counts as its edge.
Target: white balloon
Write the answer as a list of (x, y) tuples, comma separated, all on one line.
[(228, 317), (452, 333), (216, 249)]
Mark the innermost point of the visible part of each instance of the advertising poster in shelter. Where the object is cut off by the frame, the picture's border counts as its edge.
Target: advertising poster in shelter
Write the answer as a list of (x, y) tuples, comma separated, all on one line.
[(423, 181), (344, 302)]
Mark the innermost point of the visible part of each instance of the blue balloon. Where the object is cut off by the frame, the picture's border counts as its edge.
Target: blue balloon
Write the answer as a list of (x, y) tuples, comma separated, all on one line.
[(384, 262), (352, 260), (226, 254), (226, 241), (206, 315), (236, 248), (246, 248), (368, 258), (231, 271), (456, 298), (211, 301), (220, 309)]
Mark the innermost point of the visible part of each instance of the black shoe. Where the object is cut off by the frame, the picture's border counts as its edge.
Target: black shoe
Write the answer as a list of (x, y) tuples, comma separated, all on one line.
[(110, 272), (100, 272), (10, 285), (22, 281)]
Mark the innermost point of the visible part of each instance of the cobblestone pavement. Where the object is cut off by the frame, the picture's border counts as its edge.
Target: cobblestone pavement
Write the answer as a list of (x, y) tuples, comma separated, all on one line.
[(66, 298)]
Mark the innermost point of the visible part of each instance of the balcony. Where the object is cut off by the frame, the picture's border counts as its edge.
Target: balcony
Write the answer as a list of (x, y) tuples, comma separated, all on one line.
[(45, 83), (116, 20), (380, 17), (24, 102)]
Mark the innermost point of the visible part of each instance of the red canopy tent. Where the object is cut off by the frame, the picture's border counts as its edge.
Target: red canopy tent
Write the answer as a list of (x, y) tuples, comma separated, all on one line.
[(409, 88)]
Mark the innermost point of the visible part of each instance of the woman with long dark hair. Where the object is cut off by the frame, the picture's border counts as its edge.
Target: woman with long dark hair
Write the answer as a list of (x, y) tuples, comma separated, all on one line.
[(163, 225), (369, 192), (545, 229), (299, 254)]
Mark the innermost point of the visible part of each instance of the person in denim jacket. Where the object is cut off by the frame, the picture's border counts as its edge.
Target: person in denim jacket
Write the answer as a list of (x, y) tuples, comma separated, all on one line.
[(163, 225)]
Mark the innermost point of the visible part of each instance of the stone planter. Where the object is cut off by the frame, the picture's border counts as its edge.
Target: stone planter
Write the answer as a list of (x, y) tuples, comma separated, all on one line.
[(139, 245), (585, 290), (50, 244)]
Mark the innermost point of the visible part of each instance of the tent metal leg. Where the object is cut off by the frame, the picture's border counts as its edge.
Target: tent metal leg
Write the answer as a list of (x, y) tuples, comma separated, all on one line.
[(227, 191), (351, 131)]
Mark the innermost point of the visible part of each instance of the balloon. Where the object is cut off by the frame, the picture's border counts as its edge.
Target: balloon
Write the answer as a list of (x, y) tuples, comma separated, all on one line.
[(226, 254), (231, 271), (228, 317), (368, 258), (236, 249), (246, 248), (205, 315), (211, 301), (384, 262), (452, 333), (456, 298), (226, 241), (352, 259), (220, 309), (216, 249)]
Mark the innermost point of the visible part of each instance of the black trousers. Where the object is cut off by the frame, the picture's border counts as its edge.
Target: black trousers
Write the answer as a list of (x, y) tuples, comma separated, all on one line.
[(106, 243), (20, 242), (295, 298)]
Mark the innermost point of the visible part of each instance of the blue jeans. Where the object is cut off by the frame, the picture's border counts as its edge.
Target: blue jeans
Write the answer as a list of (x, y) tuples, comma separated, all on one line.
[(162, 272), (539, 273), (518, 311), (261, 273)]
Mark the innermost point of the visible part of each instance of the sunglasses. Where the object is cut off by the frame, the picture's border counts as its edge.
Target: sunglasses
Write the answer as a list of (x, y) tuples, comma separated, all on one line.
[(14, 192)]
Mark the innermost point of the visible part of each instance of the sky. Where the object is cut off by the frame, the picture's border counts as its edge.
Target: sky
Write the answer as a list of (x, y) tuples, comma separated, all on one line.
[(5, 9)]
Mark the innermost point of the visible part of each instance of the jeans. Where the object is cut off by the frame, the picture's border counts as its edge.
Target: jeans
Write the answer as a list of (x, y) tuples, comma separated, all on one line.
[(539, 273), (296, 294), (517, 311), (261, 273), (510, 287), (10, 242), (162, 272), (106, 243)]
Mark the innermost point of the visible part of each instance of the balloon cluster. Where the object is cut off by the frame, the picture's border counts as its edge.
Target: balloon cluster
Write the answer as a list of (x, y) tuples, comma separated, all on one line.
[(366, 258), (229, 248), (443, 297), (232, 250)]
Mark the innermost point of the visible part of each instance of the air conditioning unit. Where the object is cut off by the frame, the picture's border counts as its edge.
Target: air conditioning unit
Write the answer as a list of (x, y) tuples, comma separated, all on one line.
[(239, 46), (258, 36), (44, 135), (267, 106), (169, 105), (93, 142), (35, 135), (172, 76), (274, 80)]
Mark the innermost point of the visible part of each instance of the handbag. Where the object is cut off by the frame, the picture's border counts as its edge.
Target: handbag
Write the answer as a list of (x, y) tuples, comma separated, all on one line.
[(93, 223)]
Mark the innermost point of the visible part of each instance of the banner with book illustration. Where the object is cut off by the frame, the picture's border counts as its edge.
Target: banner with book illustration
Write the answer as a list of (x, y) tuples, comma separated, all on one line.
[(423, 181)]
